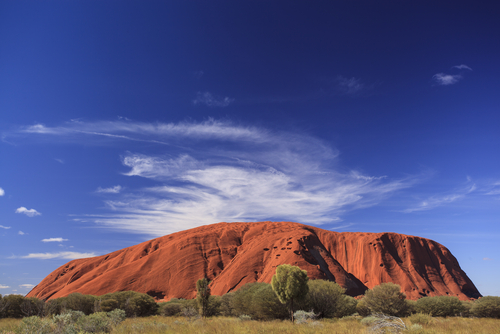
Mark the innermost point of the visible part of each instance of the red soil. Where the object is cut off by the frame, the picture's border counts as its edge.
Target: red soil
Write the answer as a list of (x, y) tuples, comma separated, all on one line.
[(233, 254)]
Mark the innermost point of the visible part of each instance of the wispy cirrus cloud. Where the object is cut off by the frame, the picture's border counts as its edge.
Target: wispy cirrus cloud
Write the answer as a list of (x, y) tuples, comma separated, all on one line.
[(4, 286), (111, 190), (440, 200), (29, 213), (5, 227), (27, 286), (21, 233), (59, 255), (218, 171), (463, 67), (350, 86), (443, 79), (54, 240), (210, 100)]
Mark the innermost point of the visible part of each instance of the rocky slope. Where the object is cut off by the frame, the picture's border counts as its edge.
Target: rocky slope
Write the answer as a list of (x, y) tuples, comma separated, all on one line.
[(233, 254)]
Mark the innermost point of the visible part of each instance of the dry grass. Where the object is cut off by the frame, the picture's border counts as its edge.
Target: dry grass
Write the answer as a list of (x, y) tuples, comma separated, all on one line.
[(221, 325)]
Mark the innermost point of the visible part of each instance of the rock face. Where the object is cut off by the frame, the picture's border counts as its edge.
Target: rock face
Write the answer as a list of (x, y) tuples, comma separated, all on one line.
[(233, 254)]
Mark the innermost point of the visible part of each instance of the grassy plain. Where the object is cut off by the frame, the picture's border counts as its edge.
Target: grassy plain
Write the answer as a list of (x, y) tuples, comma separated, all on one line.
[(221, 325)]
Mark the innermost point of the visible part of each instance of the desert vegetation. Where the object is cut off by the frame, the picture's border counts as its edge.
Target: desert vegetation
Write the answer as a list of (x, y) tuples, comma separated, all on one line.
[(317, 306)]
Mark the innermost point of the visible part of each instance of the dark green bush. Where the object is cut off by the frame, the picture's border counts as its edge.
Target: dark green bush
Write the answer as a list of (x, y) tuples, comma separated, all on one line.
[(259, 301), (75, 302), (13, 308), (440, 306), (486, 307), (362, 308), (327, 300), (135, 304), (387, 299), (169, 309)]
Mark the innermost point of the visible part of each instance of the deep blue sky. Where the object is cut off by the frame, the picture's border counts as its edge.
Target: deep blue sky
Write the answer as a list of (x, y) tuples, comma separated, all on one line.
[(125, 120)]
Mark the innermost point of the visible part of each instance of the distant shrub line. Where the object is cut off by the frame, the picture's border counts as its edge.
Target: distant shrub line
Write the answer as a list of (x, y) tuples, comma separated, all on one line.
[(257, 301)]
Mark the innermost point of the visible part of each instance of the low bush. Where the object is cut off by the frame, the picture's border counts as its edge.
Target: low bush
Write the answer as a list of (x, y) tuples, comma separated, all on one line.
[(486, 307), (440, 306), (387, 299), (420, 318), (327, 299)]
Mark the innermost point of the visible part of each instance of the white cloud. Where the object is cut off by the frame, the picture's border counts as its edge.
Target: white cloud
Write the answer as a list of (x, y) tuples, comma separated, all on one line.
[(463, 67), (443, 79), (112, 190), (212, 101), (2, 192), (27, 286), (349, 86), (220, 171), (61, 161), (436, 201), (4, 227), (60, 255), (54, 240), (487, 259), (21, 233), (4, 286), (29, 213)]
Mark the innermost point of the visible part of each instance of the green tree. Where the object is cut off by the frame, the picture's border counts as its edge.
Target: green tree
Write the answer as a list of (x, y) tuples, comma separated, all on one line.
[(290, 285), (388, 299), (203, 295), (486, 307)]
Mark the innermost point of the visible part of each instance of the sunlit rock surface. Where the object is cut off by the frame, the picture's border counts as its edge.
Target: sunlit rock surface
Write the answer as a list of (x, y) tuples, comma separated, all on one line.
[(233, 254)]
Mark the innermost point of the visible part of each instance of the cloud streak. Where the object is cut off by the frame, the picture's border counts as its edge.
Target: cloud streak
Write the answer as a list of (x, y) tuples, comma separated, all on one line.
[(54, 240), (463, 67), (5, 227), (111, 190), (437, 201), (29, 213), (2, 192), (443, 79), (60, 255), (208, 99), (349, 86)]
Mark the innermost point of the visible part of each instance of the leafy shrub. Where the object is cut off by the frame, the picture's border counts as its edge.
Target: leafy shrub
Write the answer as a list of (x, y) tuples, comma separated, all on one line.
[(33, 306), (66, 323), (78, 302), (109, 305), (387, 299), (135, 304), (35, 325), (169, 309), (486, 307), (96, 323), (13, 308), (420, 318), (226, 305), (440, 306), (259, 301), (362, 308), (326, 299), (116, 316)]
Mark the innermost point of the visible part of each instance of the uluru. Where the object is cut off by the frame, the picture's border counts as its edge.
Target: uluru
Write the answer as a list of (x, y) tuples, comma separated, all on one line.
[(231, 255)]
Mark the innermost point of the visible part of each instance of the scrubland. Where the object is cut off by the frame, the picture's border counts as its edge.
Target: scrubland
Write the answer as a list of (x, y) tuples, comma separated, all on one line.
[(229, 325)]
